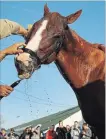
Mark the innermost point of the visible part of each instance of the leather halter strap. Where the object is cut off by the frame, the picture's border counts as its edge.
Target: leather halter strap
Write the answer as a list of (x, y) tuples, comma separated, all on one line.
[(56, 48), (32, 53)]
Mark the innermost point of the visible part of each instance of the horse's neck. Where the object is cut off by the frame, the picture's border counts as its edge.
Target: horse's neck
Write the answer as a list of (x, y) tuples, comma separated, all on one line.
[(80, 62)]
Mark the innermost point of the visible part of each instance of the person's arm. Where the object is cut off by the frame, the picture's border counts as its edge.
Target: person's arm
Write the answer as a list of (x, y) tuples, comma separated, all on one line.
[(22, 31), (2, 55), (11, 50), (10, 27), (37, 131)]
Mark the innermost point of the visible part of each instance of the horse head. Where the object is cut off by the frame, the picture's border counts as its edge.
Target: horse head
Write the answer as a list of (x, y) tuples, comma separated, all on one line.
[(44, 41)]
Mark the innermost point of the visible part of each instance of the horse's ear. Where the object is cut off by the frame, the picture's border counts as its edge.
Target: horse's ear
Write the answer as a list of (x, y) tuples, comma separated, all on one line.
[(46, 10), (73, 17)]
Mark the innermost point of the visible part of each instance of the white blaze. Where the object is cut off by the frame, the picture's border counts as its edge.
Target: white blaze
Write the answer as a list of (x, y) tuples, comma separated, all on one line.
[(33, 44)]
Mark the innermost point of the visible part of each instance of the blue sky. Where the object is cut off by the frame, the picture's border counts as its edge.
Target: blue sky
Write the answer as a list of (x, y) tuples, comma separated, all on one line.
[(46, 91)]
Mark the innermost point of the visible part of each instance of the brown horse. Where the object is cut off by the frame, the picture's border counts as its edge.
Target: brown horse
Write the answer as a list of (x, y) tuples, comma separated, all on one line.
[(80, 62)]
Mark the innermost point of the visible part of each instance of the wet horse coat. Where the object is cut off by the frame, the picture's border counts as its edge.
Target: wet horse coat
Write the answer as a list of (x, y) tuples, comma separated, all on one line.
[(90, 96), (81, 63)]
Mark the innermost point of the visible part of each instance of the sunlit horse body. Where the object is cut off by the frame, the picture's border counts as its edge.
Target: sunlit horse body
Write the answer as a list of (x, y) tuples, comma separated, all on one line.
[(81, 63)]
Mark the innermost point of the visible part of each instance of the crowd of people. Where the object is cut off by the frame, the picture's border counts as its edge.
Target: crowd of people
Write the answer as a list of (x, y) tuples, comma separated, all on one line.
[(60, 132)]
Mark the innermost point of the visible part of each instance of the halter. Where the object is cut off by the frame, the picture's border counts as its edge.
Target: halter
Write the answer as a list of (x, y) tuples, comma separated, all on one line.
[(56, 48)]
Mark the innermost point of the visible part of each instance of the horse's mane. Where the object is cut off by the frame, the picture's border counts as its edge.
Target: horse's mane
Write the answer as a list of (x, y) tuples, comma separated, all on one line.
[(94, 45)]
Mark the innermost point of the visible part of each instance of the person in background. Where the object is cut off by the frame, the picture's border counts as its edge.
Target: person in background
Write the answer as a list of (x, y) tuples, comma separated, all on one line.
[(51, 134), (25, 134), (68, 134), (12, 134), (86, 132), (61, 131), (30, 131), (75, 131), (3, 134), (8, 28), (36, 132)]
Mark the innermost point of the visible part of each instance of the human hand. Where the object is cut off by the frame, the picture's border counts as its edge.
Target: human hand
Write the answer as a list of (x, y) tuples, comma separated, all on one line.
[(24, 32), (29, 27), (28, 31), (5, 90), (14, 49)]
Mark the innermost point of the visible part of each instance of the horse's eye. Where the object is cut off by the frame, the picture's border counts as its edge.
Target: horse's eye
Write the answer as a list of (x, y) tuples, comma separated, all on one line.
[(66, 27)]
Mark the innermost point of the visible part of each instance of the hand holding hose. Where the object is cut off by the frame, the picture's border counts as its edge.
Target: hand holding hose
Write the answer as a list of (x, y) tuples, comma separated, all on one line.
[(5, 90)]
